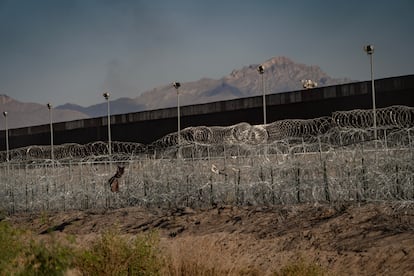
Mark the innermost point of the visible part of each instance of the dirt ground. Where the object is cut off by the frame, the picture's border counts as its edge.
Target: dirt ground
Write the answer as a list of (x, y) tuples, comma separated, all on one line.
[(345, 239)]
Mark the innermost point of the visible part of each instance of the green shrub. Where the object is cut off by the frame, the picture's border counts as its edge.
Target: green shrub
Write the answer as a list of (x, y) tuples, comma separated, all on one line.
[(113, 254), (21, 255), (45, 259), (10, 244)]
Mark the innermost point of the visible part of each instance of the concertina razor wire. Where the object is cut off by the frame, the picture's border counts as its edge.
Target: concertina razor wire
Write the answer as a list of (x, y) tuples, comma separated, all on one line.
[(327, 159)]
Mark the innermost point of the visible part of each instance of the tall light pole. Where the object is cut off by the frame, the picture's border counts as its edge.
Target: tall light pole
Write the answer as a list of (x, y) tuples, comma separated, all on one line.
[(177, 85), (50, 107), (260, 69), (106, 96), (369, 49), (7, 136)]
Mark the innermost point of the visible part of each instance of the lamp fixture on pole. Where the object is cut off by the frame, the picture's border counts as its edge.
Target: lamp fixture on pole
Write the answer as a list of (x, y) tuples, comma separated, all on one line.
[(50, 107), (7, 136), (177, 85), (261, 71), (369, 49), (106, 96)]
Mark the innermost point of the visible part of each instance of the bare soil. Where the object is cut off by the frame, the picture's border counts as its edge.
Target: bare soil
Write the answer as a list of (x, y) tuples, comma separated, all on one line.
[(345, 239)]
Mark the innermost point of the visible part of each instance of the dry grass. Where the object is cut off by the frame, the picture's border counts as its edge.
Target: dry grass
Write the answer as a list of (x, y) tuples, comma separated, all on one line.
[(112, 253), (301, 268), (295, 240), (208, 256), (202, 257)]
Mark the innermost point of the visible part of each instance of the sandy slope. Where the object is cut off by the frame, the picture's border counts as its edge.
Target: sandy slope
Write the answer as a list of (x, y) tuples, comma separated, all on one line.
[(367, 239)]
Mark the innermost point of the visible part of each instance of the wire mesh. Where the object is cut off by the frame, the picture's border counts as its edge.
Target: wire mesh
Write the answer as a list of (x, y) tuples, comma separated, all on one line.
[(328, 159)]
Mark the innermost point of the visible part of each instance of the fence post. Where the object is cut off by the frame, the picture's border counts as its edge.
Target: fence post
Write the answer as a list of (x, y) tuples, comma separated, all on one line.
[(399, 191), (298, 185), (193, 148), (272, 183), (26, 192), (320, 148), (237, 186), (364, 180), (13, 199), (385, 138), (188, 191), (325, 179), (409, 144), (47, 191), (224, 154), (211, 190), (303, 145)]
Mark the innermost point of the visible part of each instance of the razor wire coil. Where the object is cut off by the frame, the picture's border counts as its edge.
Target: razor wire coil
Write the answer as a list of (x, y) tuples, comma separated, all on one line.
[(327, 159)]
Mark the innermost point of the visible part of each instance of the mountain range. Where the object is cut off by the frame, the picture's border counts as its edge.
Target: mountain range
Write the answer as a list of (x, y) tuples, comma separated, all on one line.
[(281, 75)]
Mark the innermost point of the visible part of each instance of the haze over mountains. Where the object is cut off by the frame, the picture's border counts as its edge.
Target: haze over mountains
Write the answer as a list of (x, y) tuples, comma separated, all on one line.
[(281, 75)]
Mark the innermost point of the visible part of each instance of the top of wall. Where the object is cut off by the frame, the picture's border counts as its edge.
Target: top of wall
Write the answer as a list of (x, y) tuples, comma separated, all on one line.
[(315, 94)]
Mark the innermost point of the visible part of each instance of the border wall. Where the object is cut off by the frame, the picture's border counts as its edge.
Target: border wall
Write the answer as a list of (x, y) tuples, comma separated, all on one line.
[(148, 126)]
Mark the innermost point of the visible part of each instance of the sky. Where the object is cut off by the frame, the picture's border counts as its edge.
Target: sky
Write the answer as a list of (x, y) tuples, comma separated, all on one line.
[(62, 51)]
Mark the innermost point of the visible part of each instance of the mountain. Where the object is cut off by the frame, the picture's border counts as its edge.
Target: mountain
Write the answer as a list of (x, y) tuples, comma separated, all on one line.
[(280, 75), (119, 106), (28, 114)]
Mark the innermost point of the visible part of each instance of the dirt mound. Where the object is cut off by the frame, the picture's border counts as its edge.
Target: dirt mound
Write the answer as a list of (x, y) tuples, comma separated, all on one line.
[(346, 239)]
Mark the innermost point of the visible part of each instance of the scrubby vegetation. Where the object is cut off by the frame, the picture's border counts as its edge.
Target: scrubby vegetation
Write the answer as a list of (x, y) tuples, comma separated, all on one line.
[(21, 254), (112, 253)]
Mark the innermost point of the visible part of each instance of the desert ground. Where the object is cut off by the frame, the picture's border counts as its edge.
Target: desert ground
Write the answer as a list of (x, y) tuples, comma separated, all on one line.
[(344, 239)]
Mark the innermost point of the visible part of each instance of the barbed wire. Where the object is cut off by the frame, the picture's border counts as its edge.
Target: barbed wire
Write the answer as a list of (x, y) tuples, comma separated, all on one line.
[(389, 117), (350, 174), (355, 126), (290, 161), (343, 128)]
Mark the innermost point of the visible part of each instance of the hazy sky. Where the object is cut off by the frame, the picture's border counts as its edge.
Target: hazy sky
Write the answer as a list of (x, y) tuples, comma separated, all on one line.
[(72, 50)]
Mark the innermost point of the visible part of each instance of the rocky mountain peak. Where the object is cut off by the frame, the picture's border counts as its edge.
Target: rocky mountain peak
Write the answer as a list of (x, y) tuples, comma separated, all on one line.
[(281, 75), (280, 60)]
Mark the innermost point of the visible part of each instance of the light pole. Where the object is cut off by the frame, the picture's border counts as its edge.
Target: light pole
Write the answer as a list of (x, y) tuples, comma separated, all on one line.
[(49, 106), (369, 49), (106, 96), (7, 136), (260, 69), (177, 85)]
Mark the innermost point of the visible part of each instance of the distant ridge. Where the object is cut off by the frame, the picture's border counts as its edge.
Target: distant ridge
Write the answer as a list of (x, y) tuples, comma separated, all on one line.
[(21, 114), (281, 75), (118, 106)]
